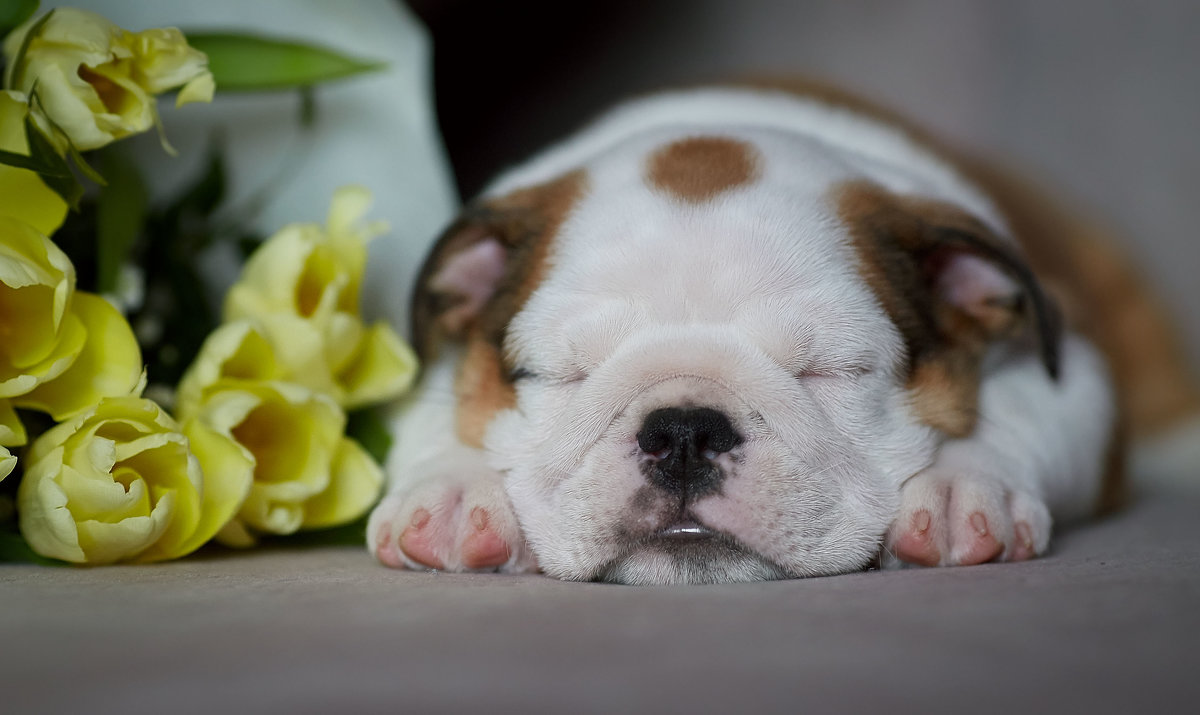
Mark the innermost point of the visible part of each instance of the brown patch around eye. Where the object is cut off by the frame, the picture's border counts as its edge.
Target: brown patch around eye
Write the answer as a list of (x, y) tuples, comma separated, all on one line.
[(482, 390), (698, 169), (526, 223), (944, 394), (899, 242)]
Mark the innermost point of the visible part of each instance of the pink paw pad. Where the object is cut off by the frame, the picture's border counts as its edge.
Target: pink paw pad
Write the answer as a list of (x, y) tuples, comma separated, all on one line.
[(483, 547), (418, 542), (386, 549), (916, 544), (978, 546), (1023, 547), (948, 518)]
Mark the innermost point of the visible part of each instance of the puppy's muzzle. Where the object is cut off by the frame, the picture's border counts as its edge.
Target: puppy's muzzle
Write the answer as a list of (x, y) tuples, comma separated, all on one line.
[(680, 447)]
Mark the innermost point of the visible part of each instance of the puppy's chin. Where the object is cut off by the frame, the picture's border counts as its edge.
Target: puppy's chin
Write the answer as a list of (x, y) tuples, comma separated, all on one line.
[(668, 561)]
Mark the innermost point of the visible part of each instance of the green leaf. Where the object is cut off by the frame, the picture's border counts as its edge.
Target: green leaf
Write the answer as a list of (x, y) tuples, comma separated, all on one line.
[(368, 428), (83, 166), (352, 534), (244, 62), (15, 12), (57, 173), (13, 549), (16, 73), (120, 215), (11, 158)]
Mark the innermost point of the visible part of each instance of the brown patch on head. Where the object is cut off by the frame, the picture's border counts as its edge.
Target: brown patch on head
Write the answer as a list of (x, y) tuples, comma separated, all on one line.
[(698, 169), (482, 389), (904, 246)]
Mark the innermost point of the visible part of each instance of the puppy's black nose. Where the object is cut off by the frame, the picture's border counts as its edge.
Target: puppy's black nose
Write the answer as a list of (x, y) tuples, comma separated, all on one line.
[(682, 443)]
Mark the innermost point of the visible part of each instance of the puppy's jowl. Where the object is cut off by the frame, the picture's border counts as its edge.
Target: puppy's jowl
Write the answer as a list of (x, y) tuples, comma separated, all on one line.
[(740, 334)]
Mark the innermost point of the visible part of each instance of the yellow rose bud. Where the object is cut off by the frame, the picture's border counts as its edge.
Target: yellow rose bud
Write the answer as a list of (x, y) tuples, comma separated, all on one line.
[(60, 351), (23, 194), (301, 288), (234, 351), (96, 81), (306, 473), (119, 483)]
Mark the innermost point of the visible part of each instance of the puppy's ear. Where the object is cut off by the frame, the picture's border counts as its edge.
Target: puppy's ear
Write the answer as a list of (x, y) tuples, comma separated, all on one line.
[(981, 280), (952, 287), (486, 264), (459, 277)]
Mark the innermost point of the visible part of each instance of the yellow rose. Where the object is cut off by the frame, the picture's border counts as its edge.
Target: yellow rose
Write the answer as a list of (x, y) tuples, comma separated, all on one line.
[(301, 288), (61, 351), (23, 195), (118, 483), (306, 473), (96, 81)]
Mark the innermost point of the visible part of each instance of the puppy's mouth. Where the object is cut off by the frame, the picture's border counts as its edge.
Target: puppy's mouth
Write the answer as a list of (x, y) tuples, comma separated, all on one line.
[(686, 530), (687, 551)]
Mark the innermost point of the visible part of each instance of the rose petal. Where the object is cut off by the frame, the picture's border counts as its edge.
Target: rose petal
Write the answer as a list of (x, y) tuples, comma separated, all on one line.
[(7, 463), (383, 369), (200, 89), (227, 470), (12, 432), (46, 523), (109, 364), (106, 543), (23, 195), (353, 489)]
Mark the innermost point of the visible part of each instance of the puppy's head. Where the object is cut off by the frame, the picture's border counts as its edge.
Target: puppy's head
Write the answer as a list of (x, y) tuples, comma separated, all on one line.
[(716, 358)]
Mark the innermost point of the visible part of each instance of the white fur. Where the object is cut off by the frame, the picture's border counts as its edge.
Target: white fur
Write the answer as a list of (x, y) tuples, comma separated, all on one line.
[(1037, 452), (750, 304)]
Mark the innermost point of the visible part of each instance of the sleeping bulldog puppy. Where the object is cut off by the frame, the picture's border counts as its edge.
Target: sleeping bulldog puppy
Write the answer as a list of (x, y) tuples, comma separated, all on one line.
[(734, 334)]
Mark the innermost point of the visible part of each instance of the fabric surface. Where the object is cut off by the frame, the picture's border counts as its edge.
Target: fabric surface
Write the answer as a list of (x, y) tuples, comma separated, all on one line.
[(1107, 623)]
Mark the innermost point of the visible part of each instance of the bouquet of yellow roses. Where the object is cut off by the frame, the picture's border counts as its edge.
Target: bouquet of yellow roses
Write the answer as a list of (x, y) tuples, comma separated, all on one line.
[(246, 431)]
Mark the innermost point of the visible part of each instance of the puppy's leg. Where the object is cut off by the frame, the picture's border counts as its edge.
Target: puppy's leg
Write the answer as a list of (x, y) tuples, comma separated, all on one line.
[(446, 508), (1039, 449)]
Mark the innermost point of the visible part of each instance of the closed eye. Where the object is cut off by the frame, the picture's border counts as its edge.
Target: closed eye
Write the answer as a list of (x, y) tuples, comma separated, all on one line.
[(838, 371), (521, 373)]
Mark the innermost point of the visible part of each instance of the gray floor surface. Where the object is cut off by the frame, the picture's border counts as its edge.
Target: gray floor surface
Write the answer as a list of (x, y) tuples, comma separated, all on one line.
[(1108, 622)]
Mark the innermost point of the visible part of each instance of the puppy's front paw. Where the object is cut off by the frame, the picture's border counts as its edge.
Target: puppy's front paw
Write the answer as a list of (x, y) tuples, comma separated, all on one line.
[(957, 518), (461, 522)]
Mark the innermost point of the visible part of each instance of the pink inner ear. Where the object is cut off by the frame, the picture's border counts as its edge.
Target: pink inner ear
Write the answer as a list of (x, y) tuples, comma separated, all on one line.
[(975, 285), (470, 275)]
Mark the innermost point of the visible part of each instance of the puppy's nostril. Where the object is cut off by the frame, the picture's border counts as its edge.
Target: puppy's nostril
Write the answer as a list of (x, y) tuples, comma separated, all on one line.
[(695, 432), (654, 441)]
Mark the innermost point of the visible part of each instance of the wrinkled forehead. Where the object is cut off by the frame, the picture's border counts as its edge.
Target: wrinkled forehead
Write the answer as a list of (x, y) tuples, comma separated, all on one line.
[(725, 217), (705, 231)]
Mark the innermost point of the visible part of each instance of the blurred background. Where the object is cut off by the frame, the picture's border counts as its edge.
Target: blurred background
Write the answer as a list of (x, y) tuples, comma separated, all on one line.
[(1097, 99)]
